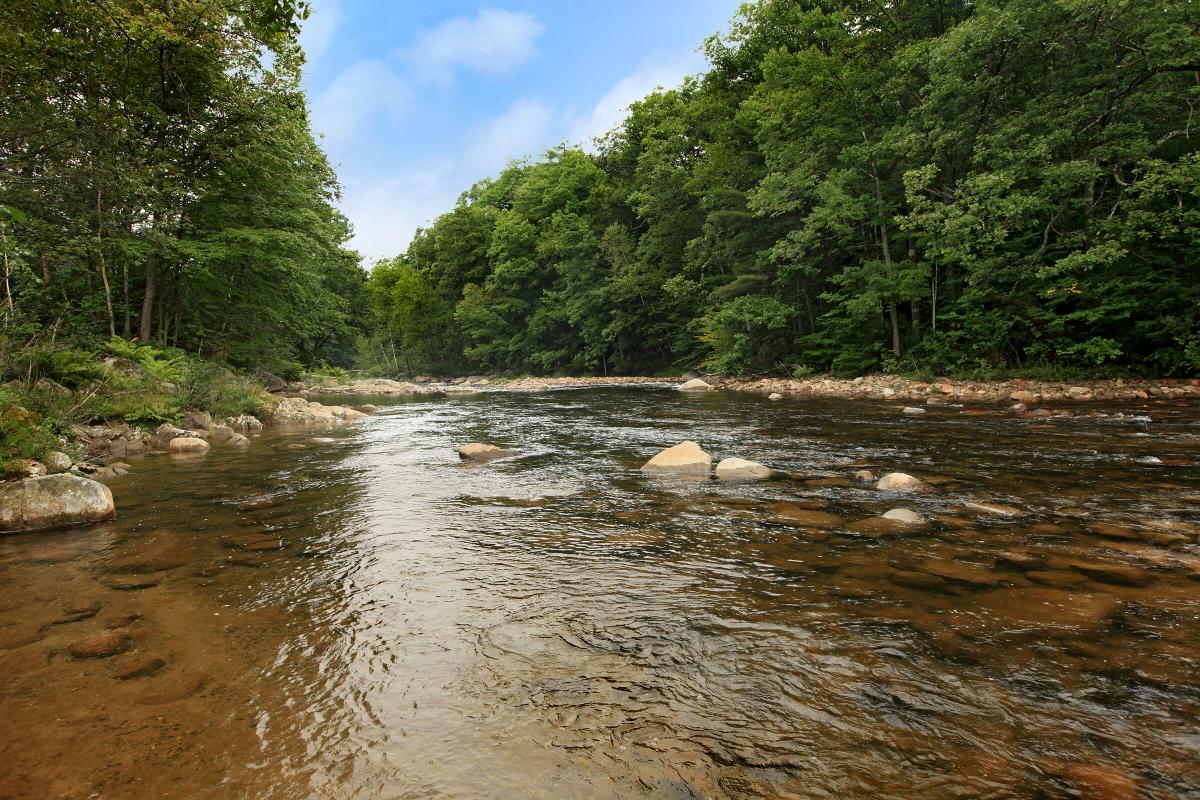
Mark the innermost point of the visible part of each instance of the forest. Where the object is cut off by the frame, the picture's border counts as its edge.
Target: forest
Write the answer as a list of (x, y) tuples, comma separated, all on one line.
[(951, 187), (159, 182)]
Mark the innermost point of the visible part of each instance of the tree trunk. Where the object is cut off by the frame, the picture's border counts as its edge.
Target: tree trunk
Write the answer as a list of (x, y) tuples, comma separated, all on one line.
[(893, 317), (112, 324), (145, 328), (125, 296)]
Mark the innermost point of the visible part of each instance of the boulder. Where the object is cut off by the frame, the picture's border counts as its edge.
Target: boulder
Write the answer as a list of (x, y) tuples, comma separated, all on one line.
[(739, 469), (218, 434), (187, 444), (905, 515), (57, 461), (166, 432), (901, 483), (238, 440), (1022, 396), (479, 452), (196, 419), (270, 381), (695, 385), (52, 501), (914, 410), (243, 423), (685, 458), (865, 476), (774, 396), (33, 469)]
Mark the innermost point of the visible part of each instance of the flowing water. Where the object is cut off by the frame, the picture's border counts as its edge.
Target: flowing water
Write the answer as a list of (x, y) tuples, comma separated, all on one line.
[(355, 614)]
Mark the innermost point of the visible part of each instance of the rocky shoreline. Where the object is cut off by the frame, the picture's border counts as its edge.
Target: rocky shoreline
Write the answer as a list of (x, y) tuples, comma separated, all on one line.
[(870, 387), (104, 446)]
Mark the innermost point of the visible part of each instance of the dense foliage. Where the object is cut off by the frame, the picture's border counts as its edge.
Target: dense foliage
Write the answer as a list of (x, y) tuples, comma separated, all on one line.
[(158, 180), (961, 186)]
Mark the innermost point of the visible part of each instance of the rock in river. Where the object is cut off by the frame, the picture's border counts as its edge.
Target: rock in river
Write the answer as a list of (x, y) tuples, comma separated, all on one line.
[(695, 385), (901, 483), (739, 469), (187, 444), (53, 500), (685, 458), (476, 451), (101, 645), (905, 515)]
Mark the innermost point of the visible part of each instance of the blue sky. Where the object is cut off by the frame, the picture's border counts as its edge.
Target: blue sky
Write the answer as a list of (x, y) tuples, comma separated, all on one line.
[(417, 100)]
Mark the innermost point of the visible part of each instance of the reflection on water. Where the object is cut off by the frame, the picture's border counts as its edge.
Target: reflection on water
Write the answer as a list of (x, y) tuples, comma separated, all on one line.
[(370, 618)]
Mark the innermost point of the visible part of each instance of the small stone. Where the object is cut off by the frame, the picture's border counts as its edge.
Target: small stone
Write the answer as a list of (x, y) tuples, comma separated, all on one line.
[(913, 410), (865, 476), (1023, 397), (1018, 408), (900, 483), (57, 461), (905, 515), (142, 669), (101, 645), (739, 469), (475, 451), (131, 584), (993, 509), (774, 396), (791, 514)]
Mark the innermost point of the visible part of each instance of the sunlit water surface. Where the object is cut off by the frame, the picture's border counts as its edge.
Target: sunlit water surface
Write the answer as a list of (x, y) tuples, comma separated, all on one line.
[(368, 618)]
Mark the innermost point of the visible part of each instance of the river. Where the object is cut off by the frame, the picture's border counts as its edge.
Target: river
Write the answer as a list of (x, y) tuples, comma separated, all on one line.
[(354, 613)]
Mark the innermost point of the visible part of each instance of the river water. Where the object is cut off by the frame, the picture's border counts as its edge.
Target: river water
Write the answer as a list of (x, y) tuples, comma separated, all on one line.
[(355, 614)]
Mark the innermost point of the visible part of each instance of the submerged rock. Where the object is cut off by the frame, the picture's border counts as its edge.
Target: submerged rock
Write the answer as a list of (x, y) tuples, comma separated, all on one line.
[(901, 483), (695, 385), (101, 645), (739, 469), (685, 458), (477, 451), (905, 515), (774, 396), (52, 501), (993, 509), (914, 410)]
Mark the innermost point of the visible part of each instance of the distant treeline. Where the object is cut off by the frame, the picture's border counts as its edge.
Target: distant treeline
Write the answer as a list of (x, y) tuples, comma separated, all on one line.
[(952, 187), (158, 179)]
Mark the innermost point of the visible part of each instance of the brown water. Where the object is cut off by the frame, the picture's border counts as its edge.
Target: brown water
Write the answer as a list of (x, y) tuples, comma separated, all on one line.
[(368, 618)]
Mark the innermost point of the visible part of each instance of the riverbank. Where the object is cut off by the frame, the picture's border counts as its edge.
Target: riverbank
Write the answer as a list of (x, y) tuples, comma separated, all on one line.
[(869, 387)]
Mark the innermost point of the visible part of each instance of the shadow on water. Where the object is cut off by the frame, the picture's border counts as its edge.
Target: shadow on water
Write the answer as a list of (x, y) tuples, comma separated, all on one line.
[(354, 613)]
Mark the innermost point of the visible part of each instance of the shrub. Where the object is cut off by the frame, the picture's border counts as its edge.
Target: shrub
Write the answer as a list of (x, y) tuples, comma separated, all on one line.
[(23, 435)]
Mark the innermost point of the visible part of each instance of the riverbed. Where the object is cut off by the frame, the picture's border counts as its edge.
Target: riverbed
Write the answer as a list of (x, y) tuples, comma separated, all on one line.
[(353, 613)]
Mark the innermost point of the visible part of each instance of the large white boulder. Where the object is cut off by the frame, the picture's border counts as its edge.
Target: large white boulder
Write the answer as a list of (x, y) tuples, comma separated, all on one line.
[(685, 458), (53, 501), (739, 469), (905, 515), (695, 385), (901, 483)]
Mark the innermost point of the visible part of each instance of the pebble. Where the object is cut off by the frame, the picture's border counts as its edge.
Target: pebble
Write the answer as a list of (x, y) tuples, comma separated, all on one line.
[(101, 645), (142, 669)]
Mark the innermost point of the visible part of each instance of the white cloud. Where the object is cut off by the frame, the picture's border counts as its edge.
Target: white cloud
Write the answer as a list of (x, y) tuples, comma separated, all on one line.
[(611, 109), (523, 130), (317, 31), (387, 209), (493, 41), (354, 98)]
